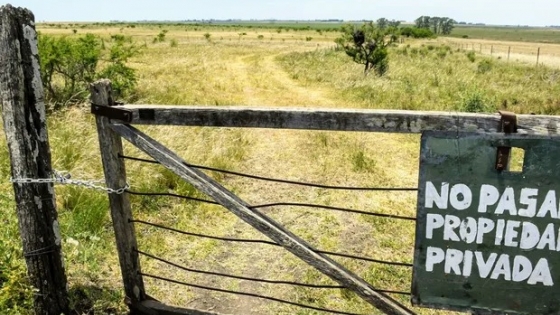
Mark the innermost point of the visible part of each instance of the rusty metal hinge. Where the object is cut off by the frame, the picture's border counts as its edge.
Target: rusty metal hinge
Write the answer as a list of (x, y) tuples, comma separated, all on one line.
[(508, 125), (112, 112)]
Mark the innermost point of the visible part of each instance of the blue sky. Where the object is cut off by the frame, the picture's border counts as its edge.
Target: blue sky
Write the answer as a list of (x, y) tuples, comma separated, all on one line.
[(512, 12)]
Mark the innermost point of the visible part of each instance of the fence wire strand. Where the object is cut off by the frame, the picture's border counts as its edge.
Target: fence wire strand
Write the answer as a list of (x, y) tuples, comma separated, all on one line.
[(278, 204), (227, 239), (262, 206), (276, 180), (249, 294), (316, 286)]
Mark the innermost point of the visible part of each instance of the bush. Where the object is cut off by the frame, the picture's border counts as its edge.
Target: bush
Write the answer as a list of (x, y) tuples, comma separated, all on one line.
[(485, 66), (69, 64), (471, 56), (367, 45), (475, 102), (417, 32)]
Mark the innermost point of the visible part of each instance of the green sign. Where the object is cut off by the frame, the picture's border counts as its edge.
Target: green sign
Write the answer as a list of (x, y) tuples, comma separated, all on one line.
[(488, 241)]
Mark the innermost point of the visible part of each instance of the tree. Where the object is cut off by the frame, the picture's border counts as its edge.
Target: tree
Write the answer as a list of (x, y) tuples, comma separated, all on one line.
[(367, 45), (394, 23), (382, 23), (438, 25), (422, 22), (447, 26)]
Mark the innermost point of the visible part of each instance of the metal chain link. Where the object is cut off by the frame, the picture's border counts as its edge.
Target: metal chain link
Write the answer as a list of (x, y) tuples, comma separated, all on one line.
[(65, 178)]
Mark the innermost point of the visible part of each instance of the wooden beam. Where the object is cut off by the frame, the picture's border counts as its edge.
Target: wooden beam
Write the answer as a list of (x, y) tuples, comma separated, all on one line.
[(110, 145), (399, 121), (261, 222), (24, 117)]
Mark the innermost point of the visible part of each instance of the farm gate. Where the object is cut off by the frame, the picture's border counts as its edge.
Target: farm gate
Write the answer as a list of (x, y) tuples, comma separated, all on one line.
[(115, 122)]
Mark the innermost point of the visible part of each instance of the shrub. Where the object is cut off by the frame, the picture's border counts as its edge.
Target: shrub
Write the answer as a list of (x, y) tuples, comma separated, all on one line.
[(485, 66), (367, 45), (207, 36), (173, 43), (471, 56), (161, 36), (69, 64), (475, 102)]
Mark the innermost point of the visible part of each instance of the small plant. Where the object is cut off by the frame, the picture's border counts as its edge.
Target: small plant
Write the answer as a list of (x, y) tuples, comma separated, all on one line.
[(475, 102), (161, 36), (308, 38), (361, 162), (207, 36), (173, 43), (260, 36), (471, 55), (485, 66)]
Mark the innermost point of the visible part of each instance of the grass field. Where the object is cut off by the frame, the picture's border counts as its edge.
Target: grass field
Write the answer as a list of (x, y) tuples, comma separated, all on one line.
[(509, 33), (278, 69)]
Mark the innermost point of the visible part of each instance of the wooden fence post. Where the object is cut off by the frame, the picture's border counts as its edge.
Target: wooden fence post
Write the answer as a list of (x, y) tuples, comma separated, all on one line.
[(538, 55), (23, 110), (509, 52), (110, 144)]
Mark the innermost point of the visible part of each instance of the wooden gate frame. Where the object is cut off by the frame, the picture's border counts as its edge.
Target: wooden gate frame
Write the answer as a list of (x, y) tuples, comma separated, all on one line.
[(113, 122)]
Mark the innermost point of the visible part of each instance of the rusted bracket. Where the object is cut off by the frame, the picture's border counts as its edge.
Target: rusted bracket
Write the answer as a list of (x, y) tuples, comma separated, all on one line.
[(112, 112), (508, 125)]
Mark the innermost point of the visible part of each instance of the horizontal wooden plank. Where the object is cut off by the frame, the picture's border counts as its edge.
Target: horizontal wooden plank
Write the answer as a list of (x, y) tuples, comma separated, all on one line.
[(151, 307), (398, 121), (261, 222)]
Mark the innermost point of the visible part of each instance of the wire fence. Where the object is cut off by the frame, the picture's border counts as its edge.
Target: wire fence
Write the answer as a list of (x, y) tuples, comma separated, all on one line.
[(281, 205)]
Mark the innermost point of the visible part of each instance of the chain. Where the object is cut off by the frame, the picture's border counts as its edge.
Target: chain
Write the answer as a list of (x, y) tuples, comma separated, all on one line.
[(65, 178)]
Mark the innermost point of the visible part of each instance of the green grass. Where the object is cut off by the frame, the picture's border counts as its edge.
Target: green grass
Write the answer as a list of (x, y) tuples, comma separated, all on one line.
[(509, 33), (428, 79)]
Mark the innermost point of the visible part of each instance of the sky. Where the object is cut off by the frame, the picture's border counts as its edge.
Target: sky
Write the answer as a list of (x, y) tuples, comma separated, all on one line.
[(499, 12)]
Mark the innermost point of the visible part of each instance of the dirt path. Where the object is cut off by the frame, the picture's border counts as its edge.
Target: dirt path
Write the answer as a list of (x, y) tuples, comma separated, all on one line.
[(278, 154)]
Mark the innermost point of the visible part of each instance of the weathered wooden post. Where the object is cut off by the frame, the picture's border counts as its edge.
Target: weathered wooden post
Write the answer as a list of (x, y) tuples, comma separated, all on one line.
[(23, 111), (538, 55), (110, 144)]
